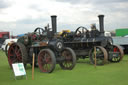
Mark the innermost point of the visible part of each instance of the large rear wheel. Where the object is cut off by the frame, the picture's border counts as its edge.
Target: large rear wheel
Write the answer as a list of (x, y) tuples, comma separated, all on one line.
[(115, 53), (17, 53), (101, 55), (69, 59), (46, 61)]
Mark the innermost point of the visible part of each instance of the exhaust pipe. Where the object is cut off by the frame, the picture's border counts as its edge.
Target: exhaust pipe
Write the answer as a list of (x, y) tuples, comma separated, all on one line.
[(101, 24), (54, 24)]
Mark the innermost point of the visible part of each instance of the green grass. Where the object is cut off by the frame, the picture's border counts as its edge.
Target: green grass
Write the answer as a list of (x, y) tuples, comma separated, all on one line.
[(83, 74)]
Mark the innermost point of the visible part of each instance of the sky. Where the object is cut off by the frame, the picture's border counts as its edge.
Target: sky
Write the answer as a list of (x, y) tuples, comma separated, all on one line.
[(23, 16)]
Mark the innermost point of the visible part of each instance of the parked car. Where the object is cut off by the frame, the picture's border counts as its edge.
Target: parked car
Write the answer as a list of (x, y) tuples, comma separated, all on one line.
[(7, 41)]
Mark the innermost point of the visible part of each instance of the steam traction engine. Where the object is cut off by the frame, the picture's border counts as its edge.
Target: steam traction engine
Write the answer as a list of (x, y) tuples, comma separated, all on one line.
[(48, 50), (83, 41)]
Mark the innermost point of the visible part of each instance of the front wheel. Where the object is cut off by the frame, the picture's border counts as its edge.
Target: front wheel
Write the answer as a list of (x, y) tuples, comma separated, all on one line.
[(101, 55), (69, 59), (46, 60)]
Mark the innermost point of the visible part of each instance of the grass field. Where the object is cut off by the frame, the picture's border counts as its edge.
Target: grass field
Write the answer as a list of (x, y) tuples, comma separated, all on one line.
[(83, 74)]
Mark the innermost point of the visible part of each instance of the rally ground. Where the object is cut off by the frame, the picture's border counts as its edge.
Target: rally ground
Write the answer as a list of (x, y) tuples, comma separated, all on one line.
[(83, 74)]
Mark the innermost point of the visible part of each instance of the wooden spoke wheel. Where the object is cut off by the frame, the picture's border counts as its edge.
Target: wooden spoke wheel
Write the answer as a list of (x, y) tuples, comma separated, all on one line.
[(46, 61), (69, 59), (101, 55), (17, 53), (118, 52)]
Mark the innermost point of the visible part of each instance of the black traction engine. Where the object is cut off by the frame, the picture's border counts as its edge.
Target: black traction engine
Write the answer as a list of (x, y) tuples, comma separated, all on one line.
[(88, 43), (48, 49)]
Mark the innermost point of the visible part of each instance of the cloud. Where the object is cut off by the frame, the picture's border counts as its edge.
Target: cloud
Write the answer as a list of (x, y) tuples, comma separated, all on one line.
[(19, 27), (92, 1), (24, 16), (32, 21), (115, 11), (4, 4)]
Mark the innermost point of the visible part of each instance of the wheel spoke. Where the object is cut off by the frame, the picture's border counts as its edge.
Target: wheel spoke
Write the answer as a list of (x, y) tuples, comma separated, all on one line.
[(14, 60), (46, 68), (11, 55), (16, 49)]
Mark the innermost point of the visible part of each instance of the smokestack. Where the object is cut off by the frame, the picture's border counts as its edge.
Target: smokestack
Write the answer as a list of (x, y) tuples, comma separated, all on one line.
[(101, 24), (54, 24)]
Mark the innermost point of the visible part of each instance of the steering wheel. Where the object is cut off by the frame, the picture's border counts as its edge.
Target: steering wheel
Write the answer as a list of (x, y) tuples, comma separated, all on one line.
[(81, 30), (39, 30)]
